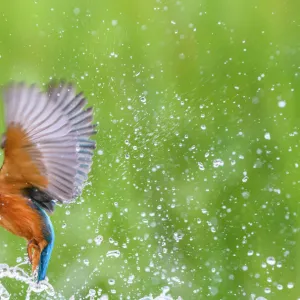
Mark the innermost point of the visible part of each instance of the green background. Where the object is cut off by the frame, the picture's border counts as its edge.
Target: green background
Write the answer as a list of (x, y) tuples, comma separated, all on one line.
[(196, 174)]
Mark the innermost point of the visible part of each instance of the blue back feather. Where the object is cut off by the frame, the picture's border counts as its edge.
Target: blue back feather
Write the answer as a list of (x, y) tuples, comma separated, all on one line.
[(48, 232)]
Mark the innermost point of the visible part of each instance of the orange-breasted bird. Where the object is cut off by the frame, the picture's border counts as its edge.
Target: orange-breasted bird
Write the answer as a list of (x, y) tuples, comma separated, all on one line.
[(47, 157)]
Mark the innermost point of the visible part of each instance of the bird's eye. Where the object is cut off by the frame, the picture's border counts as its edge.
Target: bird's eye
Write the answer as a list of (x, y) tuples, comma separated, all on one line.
[(3, 141)]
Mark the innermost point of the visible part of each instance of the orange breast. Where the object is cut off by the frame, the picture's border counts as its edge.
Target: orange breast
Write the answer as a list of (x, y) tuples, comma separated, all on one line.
[(18, 217)]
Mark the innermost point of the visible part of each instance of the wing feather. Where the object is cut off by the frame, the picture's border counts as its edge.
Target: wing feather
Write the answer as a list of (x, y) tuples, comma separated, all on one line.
[(50, 133)]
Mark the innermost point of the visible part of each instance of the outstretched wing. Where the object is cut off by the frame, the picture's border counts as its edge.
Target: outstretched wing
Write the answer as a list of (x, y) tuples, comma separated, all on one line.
[(47, 144)]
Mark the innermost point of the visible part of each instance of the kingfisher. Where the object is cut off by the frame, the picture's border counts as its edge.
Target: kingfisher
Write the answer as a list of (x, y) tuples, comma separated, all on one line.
[(47, 158)]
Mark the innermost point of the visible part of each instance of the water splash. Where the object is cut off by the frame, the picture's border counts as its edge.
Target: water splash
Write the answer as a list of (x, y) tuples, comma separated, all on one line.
[(160, 297), (4, 294), (113, 253), (44, 286), (163, 296), (19, 274)]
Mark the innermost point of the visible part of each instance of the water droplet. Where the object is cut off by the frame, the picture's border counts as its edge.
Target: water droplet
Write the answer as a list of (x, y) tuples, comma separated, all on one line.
[(143, 99), (267, 136), (86, 262), (92, 294), (267, 290), (98, 240), (281, 103), (111, 281), (76, 10), (113, 253), (290, 285), (245, 179), (271, 261), (201, 166), (178, 236), (181, 56), (218, 163), (245, 268)]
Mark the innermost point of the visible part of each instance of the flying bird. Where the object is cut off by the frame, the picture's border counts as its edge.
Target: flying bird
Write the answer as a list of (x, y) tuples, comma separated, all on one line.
[(47, 157)]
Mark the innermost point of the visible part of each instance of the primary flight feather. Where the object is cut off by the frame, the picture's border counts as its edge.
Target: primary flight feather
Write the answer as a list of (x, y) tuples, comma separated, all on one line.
[(47, 157)]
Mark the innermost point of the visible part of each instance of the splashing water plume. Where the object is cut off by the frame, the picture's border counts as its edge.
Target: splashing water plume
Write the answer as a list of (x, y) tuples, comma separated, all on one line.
[(163, 296), (20, 275)]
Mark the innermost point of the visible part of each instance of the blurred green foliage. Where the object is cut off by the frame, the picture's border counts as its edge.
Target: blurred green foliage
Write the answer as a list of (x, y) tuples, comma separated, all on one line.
[(195, 179)]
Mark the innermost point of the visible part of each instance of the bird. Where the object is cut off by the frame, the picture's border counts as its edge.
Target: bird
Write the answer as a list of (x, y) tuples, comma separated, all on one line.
[(48, 154)]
